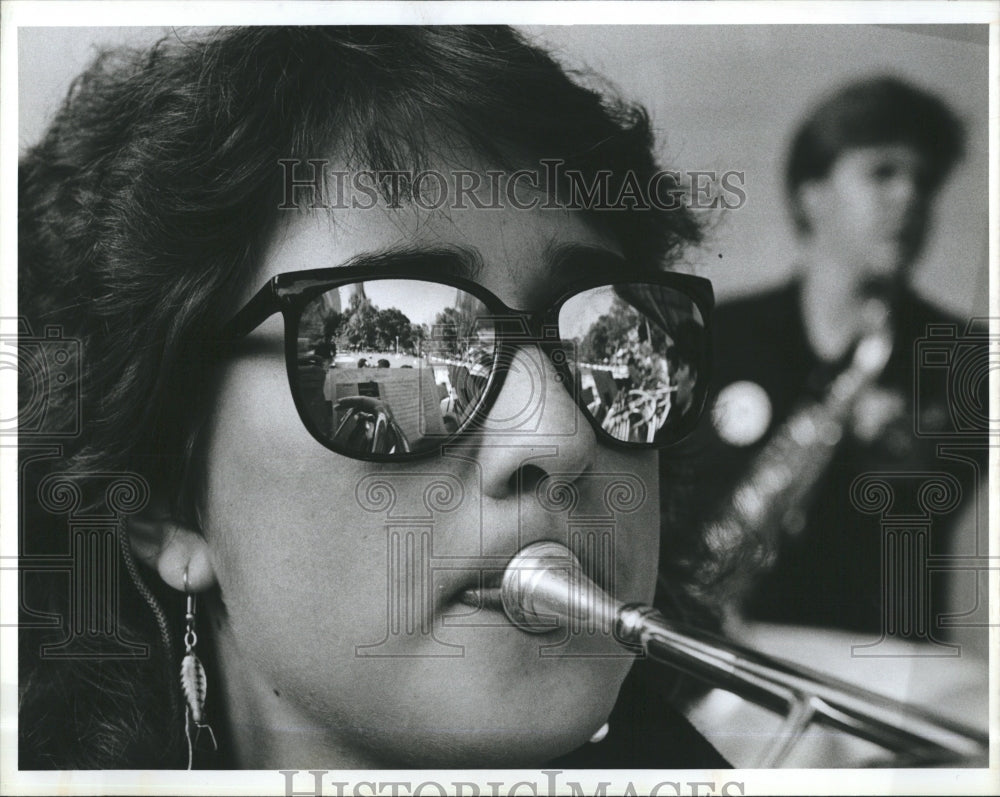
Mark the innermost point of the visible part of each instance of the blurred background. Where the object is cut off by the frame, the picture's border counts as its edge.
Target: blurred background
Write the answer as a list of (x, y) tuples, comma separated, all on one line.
[(727, 98), (722, 98)]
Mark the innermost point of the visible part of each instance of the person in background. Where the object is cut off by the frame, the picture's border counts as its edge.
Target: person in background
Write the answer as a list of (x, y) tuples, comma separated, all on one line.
[(824, 432), (818, 387), (327, 350)]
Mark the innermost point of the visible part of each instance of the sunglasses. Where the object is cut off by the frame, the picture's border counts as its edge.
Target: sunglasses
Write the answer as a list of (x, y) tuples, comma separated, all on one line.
[(392, 362)]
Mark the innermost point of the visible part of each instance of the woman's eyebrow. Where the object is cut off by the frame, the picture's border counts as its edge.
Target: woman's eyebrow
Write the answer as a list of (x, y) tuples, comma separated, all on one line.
[(450, 260), (563, 261)]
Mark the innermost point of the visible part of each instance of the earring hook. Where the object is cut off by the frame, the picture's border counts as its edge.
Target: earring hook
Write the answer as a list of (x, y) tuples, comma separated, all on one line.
[(193, 681)]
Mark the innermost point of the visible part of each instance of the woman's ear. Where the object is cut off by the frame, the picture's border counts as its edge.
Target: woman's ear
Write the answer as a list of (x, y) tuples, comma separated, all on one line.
[(172, 549)]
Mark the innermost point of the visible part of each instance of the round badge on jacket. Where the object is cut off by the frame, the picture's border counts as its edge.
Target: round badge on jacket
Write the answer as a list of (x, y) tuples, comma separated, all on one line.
[(741, 413)]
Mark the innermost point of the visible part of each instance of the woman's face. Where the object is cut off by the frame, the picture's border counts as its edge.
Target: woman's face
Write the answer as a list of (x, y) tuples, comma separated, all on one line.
[(342, 642)]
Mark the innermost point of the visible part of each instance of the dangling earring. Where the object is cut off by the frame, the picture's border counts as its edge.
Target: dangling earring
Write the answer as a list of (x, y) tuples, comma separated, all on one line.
[(193, 682)]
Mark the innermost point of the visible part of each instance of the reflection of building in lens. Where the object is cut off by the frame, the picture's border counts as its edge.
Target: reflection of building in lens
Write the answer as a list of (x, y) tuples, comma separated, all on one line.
[(332, 302)]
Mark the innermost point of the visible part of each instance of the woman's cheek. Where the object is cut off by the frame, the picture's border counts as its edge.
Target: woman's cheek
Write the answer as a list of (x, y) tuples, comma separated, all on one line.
[(290, 542), (303, 571), (638, 545)]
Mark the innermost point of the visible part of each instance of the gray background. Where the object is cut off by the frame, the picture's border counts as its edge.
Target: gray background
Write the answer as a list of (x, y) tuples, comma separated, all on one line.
[(721, 97)]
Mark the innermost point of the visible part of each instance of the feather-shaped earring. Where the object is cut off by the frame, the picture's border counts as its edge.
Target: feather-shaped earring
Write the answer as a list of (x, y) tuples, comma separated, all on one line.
[(193, 681)]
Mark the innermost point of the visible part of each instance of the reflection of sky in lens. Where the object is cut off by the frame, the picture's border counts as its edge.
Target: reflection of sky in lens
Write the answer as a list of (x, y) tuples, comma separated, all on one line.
[(664, 307), (419, 301), (584, 311), (422, 301)]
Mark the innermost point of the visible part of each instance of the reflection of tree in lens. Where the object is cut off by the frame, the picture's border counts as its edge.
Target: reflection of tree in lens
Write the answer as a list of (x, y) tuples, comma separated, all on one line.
[(363, 325), (359, 325), (453, 327), (609, 332), (392, 328), (321, 319), (461, 330), (641, 359), (622, 327)]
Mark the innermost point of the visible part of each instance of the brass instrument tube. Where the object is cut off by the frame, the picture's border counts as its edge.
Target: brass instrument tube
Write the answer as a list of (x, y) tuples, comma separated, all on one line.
[(544, 587)]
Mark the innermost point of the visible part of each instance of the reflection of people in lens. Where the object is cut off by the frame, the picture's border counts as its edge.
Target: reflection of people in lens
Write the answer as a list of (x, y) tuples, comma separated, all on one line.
[(327, 350), (307, 548), (682, 360), (634, 373), (683, 377)]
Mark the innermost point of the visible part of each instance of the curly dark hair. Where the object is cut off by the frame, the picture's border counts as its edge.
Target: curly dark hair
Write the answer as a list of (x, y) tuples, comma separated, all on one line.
[(144, 208)]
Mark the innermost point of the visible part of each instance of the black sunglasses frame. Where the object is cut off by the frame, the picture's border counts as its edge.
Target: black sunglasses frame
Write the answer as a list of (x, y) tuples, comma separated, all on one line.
[(290, 292)]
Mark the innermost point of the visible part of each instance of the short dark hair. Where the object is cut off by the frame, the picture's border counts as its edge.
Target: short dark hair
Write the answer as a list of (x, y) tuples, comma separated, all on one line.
[(877, 110)]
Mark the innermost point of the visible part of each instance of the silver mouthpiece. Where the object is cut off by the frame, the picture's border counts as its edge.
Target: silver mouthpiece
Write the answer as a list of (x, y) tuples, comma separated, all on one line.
[(544, 588)]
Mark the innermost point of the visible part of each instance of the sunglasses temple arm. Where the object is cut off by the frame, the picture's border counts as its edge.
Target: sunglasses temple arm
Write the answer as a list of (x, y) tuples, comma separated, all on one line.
[(260, 307)]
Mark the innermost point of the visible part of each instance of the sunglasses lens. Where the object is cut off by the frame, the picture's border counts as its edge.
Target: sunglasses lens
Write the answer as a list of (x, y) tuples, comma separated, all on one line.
[(641, 359), (392, 366)]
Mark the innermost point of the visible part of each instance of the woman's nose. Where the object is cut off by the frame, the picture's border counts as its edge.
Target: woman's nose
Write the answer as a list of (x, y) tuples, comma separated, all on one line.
[(535, 426)]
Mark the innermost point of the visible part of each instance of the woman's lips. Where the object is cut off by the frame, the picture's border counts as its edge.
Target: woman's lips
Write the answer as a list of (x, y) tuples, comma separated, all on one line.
[(487, 598), (482, 590), (474, 597), (473, 591)]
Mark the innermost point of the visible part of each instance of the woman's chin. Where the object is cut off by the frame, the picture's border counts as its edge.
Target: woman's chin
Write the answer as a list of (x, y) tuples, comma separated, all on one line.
[(497, 747), (530, 724)]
